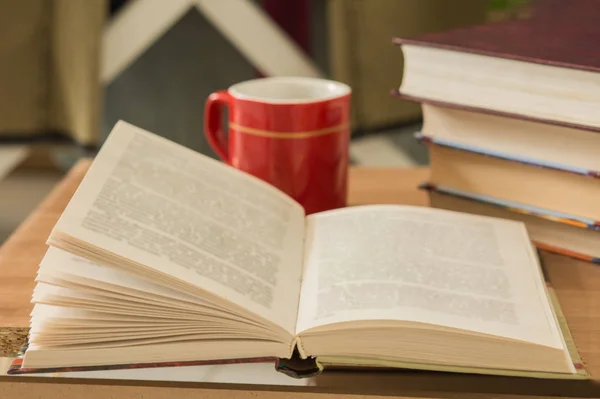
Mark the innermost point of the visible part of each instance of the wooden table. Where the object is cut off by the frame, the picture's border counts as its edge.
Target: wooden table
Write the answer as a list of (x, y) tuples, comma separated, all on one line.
[(577, 284)]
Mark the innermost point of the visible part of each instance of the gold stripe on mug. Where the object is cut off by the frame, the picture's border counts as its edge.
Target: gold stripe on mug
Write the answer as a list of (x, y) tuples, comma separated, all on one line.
[(287, 135)]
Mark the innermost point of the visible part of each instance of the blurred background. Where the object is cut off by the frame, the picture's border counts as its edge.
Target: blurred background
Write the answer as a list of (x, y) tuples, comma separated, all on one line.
[(71, 69)]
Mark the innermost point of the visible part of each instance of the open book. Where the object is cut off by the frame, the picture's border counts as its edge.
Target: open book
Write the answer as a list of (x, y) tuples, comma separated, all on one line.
[(165, 256)]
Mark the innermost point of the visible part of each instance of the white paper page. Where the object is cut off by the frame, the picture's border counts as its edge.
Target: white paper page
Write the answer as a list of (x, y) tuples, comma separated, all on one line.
[(65, 263), (426, 265), (59, 267), (193, 218)]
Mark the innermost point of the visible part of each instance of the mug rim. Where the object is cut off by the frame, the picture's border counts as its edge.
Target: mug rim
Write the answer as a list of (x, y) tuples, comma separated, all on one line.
[(335, 90)]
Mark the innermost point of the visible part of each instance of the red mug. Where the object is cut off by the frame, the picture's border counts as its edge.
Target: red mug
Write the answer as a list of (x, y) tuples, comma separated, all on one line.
[(291, 132)]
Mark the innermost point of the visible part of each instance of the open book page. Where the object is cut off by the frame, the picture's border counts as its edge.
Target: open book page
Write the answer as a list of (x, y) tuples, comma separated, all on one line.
[(390, 262), (193, 218), (76, 270), (61, 268)]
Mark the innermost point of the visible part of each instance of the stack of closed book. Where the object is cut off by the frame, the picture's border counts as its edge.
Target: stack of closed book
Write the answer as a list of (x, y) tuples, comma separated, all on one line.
[(512, 121)]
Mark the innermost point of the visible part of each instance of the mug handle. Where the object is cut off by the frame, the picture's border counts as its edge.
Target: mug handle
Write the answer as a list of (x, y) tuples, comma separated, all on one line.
[(213, 127)]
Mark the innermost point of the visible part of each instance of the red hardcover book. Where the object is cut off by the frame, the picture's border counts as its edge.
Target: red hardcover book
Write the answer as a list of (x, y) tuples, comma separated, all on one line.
[(543, 68)]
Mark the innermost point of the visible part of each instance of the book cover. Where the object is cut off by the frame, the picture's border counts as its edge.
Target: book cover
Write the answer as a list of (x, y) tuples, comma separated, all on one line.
[(559, 34), (563, 35), (295, 367)]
